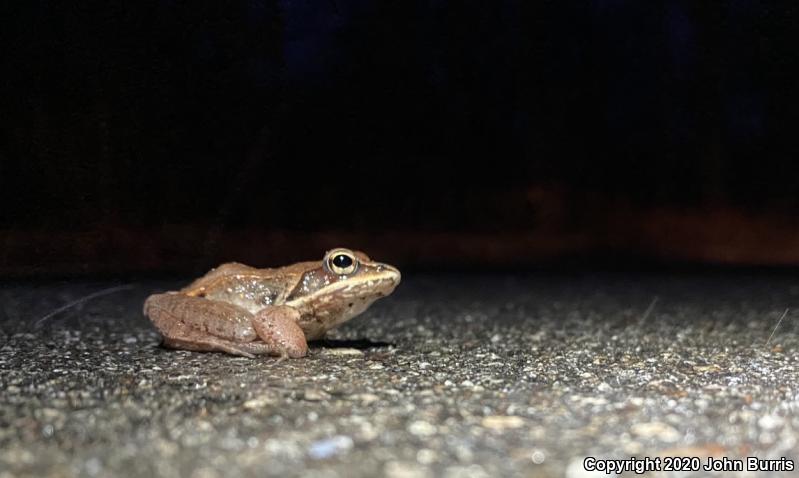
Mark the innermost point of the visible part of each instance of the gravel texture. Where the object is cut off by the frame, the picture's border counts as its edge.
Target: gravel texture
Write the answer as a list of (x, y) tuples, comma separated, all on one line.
[(473, 375)]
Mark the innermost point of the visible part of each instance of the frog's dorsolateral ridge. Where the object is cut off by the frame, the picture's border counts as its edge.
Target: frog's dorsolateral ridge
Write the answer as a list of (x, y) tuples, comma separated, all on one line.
[(246, 311)]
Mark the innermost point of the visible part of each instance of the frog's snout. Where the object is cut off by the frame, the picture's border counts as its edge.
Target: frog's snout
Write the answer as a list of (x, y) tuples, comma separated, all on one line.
[(390, 273)]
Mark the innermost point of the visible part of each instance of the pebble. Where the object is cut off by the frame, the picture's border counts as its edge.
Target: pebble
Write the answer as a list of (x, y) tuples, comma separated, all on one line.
[(259, 402), (395, 469), (538, 456), (329, 447), (770, 422), (471, 471), (366, 398), (502, 422), (657, 430), (314, 395), (93, 466), (343, 352), (204, 472), (706, 368), (422, 428), (426, 456), (576, 469)]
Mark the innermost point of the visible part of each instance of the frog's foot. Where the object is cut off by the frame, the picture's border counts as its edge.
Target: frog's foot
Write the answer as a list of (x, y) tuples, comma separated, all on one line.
[(279, 332), (209, 344), (214, 344)]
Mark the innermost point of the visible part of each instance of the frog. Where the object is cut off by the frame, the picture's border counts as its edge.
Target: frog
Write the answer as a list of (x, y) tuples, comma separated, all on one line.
[(248, 311)]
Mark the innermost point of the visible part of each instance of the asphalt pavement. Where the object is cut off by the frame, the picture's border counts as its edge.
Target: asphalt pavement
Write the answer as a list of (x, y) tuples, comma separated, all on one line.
[(452, 375)]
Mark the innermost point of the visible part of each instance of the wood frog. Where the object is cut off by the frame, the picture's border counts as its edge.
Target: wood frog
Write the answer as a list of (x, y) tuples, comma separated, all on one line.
[(247, 311)]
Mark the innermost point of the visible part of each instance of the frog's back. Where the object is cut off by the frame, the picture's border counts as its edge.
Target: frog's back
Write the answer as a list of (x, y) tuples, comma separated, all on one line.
[(243, 285)]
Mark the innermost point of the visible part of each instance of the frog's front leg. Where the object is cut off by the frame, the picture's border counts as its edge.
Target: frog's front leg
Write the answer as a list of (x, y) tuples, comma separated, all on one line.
[(196, 323), (278, 327)]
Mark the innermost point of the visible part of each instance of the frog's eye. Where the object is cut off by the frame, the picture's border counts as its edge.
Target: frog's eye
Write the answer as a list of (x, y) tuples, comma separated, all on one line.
[(342, 262)]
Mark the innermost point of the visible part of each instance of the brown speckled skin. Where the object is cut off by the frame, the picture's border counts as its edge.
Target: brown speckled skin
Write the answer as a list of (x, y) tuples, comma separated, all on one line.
[(246, 311)]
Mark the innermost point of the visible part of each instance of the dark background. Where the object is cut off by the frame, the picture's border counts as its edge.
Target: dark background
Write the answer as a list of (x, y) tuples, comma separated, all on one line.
[(164, 137)]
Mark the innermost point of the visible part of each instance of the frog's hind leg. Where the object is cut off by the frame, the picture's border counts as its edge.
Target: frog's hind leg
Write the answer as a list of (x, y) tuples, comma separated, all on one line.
[(197, 323), (177, 314)]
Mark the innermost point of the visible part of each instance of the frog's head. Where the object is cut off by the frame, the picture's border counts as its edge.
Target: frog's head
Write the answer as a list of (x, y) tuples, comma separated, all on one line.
[(345, 284)]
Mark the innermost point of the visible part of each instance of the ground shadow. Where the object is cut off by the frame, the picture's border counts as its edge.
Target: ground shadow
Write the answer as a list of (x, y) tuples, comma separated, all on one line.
[(359, 344)]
